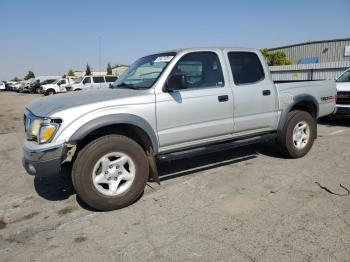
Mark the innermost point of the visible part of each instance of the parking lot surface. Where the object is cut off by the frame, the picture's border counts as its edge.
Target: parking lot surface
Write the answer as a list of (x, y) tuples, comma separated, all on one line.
[(247, 204)]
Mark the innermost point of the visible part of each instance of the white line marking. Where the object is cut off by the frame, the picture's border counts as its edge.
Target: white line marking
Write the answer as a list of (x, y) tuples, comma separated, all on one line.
[(337, 132)]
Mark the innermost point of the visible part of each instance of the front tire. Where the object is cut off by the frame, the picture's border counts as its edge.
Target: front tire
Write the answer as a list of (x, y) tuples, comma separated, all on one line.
[(297, 136), (110, 172)]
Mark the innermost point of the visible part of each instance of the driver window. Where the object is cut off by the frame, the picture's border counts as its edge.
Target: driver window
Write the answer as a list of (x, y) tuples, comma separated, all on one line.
[(344, 78), (87, 80), (202, 69)]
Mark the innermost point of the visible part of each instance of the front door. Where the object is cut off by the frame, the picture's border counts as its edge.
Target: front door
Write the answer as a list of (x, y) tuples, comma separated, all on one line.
[(200, 113)]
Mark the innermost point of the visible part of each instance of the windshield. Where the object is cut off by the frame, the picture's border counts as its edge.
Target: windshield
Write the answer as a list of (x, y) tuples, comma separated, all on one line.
[(144, 72), (78, 80), (344, 77)]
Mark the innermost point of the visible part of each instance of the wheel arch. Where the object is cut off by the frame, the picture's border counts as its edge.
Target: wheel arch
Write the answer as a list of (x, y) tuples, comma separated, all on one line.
[(129, 125), (303, 102)]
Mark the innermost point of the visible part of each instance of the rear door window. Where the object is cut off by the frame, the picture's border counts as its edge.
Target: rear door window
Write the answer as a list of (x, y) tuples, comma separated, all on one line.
[(246, 67)]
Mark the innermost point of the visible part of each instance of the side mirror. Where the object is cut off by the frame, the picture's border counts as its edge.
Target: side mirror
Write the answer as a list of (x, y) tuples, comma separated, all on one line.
[(58, 84), (175, 82), (110, 85)]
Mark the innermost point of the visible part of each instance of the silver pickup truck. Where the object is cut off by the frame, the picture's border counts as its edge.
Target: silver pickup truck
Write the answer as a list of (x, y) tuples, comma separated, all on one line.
[(167, 106)]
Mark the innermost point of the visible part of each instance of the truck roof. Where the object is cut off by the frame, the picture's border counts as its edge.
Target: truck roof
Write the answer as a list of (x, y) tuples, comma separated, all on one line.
[(196, 49)]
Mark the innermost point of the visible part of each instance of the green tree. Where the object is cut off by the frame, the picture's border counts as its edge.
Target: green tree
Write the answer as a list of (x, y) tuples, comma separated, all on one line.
[(71, 72), (109, 69), (275, 58), (88, 70), (29, 75)]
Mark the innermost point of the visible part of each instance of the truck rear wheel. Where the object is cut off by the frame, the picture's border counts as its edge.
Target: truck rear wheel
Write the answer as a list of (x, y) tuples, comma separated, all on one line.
[(50, 92), (297, 136), (110, 172)]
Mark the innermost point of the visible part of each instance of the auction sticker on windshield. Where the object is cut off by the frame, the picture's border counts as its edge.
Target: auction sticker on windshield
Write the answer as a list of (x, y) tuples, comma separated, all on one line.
[(160, 59)]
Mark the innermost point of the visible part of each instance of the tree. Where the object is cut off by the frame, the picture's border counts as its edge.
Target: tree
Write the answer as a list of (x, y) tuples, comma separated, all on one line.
[(64, 76), (109, 69), (275, 58), (71, 72), (29, 75), (16, 79), (88, 70)]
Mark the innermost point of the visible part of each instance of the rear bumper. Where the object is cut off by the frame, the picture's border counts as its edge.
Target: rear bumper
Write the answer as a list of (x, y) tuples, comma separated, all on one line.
[(342, 109), (43, 162)]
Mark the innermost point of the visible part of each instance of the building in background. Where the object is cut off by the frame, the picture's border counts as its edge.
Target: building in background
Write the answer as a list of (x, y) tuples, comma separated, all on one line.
[(315, 60), (117, 70)]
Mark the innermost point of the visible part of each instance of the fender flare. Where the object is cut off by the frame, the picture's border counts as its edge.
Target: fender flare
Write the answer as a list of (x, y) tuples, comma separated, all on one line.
[(113, 119), (297, 99)]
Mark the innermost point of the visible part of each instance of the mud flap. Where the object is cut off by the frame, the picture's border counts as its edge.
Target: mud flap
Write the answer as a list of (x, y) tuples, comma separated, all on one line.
[(153, 166)]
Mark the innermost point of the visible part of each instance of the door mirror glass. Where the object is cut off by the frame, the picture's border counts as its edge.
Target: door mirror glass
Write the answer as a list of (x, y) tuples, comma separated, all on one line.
[(175, 82)]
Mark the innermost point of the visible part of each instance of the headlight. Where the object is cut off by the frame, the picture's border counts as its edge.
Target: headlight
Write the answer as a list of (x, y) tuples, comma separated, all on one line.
[(41, 130)]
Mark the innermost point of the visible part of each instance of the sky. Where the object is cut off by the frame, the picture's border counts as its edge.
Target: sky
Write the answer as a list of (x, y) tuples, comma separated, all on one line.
[(51, 37)]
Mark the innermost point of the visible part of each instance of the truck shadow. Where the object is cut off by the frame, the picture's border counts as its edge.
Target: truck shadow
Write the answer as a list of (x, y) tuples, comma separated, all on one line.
[(60, 187), (336, 120)]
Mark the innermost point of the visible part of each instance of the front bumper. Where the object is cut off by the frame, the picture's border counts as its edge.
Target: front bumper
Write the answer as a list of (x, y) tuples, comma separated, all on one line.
[(43, 161), (342, 109)]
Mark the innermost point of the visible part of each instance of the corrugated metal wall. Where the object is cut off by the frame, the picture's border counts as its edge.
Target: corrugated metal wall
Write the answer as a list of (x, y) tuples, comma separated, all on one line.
[(331, 70), (327, 51)]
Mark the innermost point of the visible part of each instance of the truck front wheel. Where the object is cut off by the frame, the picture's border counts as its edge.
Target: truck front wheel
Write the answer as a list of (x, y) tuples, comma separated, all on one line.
[(110, 172), (297, 136)]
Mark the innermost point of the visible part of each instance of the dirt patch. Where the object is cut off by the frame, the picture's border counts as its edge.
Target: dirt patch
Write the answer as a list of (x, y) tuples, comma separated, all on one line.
[(29, 216), (66, 210), (2, 224), (80, 239)]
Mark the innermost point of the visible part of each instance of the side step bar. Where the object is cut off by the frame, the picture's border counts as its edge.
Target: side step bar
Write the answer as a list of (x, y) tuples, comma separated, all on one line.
[(215, 147)]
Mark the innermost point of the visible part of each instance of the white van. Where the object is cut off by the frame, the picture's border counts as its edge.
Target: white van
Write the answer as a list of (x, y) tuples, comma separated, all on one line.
[(87, 82)]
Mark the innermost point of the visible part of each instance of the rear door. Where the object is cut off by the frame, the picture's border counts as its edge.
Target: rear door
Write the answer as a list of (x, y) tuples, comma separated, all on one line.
[(203, 111), (254, 94)]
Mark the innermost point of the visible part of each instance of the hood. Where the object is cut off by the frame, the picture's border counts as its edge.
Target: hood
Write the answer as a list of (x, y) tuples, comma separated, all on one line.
[(47, 106), (343, 87)]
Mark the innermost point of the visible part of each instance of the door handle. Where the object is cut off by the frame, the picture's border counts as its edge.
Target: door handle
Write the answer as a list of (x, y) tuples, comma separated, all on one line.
[(266, 92), (223, 98)]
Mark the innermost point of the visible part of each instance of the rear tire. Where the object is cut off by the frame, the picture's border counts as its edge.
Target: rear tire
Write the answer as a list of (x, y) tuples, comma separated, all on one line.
[(96, 170), (297, 136), (50, 92)]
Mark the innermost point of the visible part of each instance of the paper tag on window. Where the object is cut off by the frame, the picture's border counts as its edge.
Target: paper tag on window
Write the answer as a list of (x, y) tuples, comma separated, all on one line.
[(163, 59)]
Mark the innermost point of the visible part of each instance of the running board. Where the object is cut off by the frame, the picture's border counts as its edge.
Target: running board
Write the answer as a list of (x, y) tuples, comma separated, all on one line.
[(215, 147)]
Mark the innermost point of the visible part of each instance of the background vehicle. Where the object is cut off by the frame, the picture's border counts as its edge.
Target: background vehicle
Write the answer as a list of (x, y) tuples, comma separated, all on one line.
[(88, 82), (2, 86), (167, 106), (343, 93), (59, 86), (41, 80)]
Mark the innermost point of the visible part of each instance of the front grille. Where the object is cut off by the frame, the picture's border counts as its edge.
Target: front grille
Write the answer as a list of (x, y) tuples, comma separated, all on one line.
[(343, 98)]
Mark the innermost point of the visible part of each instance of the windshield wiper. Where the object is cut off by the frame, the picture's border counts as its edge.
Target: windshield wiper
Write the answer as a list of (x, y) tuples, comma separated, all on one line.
[(130, 86)]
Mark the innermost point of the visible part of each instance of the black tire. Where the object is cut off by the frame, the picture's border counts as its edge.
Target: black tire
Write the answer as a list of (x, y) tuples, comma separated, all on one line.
[(37, 90), (88, 157), (285, 136), (50, 92)]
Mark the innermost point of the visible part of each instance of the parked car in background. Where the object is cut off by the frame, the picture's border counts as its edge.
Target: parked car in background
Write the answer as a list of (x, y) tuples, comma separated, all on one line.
[(169, 105), (2, 86), (59, 86), (88, 82), (343, 93), (41, 80)]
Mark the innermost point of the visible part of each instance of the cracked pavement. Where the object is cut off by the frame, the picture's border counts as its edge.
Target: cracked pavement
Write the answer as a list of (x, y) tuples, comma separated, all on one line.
[(247, 204)]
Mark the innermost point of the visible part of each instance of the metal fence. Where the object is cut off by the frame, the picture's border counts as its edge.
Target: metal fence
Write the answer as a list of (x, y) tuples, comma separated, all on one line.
[(321, 71)]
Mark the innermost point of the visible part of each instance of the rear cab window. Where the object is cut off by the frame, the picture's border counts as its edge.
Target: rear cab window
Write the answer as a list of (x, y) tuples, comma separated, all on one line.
[(246, 67)]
